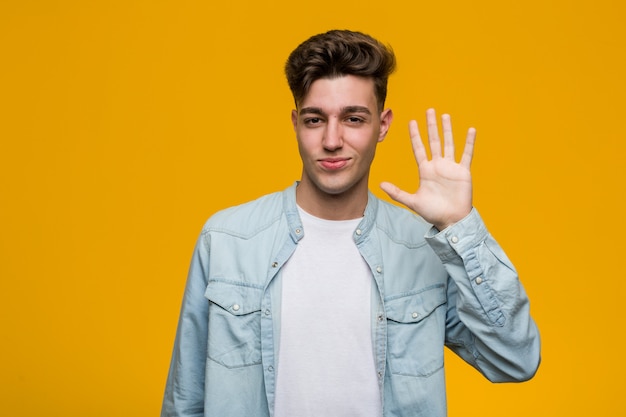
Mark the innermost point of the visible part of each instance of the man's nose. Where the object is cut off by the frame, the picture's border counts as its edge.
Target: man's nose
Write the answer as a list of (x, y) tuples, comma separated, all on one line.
[(333, 135)]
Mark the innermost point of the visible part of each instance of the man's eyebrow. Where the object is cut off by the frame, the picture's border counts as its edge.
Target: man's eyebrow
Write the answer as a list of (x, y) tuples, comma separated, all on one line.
[(356, 109), (345, 110), (311, 110)]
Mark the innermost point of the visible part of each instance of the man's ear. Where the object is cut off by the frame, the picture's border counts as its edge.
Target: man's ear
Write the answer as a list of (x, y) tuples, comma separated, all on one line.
[(386, 117), (294, 119)]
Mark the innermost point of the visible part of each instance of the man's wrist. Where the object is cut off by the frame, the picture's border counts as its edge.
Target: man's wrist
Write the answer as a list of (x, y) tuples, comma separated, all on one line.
[(443, 226)]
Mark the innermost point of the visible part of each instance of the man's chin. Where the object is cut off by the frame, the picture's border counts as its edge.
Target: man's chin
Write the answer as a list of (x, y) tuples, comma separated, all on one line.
[(337, 190)]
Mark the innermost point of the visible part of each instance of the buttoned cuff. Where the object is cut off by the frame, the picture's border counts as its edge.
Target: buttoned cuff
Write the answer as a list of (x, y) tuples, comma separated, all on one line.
[(459, 238)]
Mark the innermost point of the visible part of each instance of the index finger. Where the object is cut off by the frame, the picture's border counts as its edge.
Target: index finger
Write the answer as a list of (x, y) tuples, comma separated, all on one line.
[(416, 142)]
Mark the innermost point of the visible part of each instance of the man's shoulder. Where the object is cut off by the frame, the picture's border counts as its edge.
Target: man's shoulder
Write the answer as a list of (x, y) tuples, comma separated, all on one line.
[(248, 218), (400, 223)]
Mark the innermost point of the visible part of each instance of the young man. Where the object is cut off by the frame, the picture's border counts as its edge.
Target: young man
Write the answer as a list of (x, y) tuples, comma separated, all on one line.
[(322, 300)]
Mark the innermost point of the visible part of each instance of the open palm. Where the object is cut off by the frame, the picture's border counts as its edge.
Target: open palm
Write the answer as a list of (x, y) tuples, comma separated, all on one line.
[(445, 193)]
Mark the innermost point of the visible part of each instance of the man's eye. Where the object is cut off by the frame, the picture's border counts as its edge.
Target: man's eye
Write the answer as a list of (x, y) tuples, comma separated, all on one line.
[(354, 119), (312, 120)]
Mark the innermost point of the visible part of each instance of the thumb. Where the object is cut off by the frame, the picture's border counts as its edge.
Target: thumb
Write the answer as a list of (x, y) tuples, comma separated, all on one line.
[(396, 193)]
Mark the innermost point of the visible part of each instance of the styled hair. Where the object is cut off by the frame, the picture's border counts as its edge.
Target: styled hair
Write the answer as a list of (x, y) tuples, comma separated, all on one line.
[(337, 53)]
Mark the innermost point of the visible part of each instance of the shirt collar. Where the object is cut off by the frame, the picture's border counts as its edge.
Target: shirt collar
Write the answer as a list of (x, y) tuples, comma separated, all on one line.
[(295, 223)]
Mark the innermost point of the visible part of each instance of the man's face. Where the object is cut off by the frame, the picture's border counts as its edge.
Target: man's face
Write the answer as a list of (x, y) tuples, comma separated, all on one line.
[(338, 126)]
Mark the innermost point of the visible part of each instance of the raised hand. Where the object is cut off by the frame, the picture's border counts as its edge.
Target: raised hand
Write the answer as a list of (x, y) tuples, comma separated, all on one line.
[(444, 195)]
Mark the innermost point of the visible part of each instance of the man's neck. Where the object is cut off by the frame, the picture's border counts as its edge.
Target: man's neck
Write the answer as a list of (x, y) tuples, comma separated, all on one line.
[(344, 206)]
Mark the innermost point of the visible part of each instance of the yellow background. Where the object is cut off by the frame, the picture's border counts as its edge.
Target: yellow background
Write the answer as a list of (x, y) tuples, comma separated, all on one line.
[(125, 124)]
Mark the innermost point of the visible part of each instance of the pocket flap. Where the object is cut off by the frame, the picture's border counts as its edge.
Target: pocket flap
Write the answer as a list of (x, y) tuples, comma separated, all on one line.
[(414, 307), (236, 298)]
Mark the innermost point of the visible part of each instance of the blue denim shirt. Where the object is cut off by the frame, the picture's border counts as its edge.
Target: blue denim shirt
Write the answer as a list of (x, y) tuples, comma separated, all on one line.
[(453, 288)]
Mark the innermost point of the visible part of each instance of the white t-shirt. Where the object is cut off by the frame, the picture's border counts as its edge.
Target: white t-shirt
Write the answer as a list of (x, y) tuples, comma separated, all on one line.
[(326, 363)]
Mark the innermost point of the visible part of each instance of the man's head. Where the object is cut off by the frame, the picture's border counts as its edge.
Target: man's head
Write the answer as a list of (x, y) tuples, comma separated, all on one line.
[(339, 83), (337, 53)]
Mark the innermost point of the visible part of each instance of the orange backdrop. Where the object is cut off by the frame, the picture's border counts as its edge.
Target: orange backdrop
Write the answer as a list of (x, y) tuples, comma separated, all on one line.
[(125, 124)]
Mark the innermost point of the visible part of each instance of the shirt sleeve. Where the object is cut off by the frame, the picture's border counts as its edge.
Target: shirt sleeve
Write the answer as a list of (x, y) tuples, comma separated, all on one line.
[(184, 391), (488, 320)]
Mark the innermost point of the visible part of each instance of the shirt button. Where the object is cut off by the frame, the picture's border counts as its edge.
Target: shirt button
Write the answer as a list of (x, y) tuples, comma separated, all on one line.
[(358, 232), (379, 269), (380, 374), (270, 368), (381, 317), (454, 239), (268, 312), (235, 307), (298, 231), (479, 280), (415, 315), (274, 264)]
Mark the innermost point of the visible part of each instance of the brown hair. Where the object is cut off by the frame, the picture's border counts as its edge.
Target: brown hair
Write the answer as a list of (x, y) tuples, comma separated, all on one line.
[(337, 53)]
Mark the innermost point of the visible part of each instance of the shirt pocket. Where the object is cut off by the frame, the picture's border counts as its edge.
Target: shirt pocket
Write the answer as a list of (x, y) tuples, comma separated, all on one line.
[(234, 323), (415, 331)]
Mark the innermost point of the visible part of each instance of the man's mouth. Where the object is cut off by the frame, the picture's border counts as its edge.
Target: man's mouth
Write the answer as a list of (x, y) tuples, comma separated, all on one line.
[(333, 163)]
